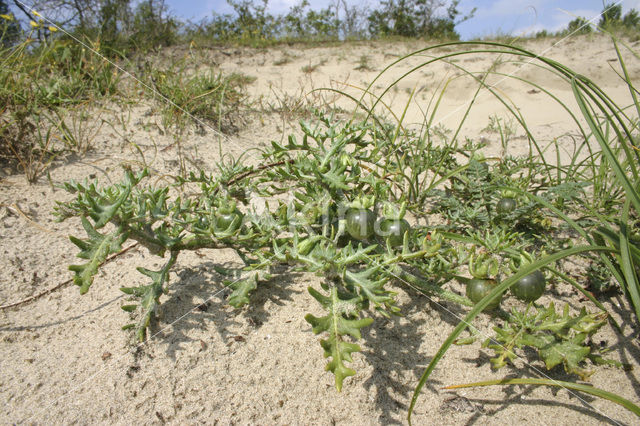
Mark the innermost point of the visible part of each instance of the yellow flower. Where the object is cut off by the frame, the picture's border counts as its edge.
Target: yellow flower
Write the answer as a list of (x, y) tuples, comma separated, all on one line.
[(36, 13), (52, 29), (34, 24), (7, 17)]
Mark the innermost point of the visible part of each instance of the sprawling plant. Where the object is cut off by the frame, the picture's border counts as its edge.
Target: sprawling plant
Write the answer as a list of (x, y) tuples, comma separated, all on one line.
[(333, 169), (348, 200)]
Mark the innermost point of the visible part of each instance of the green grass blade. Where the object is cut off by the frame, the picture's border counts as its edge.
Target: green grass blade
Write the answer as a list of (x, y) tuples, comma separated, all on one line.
[(567, 385), (596, 129), (626, 262), (627, 78)]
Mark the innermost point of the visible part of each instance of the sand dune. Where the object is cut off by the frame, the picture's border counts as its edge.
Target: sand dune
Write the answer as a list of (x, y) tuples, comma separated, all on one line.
[(64, 359)]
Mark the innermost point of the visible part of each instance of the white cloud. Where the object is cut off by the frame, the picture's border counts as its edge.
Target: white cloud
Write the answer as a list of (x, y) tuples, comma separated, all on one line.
[(511, 7), (631, 4), (561, 18), (557, 19)]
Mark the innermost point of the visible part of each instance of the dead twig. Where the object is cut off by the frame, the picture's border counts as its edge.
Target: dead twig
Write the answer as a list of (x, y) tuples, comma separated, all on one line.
[(62, 284), (15, 209), (258, 169)]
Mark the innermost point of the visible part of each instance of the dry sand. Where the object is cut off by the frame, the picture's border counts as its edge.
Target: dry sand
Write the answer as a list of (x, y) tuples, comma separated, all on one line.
[(64, 359)]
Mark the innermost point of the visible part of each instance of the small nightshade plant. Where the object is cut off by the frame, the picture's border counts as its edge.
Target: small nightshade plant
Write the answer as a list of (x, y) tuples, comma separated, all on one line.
[(345, 177), (345, 223)]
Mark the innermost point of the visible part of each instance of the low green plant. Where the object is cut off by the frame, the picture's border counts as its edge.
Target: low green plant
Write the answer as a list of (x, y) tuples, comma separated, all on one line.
[(363, 64), (559, 339), (206, 97), (334, 168), (38, 82)]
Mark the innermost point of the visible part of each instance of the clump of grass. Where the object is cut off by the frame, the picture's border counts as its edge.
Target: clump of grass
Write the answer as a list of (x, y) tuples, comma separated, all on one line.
[(38, 80), (286, 58), (28, 144), (282, 61), (308, 69), (363, 64), (209, 97), (78, 127), (289, 106)]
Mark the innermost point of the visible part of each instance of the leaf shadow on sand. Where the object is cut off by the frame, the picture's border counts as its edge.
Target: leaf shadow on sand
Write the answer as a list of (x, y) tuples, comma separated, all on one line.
[(198, 300), (395, 355)]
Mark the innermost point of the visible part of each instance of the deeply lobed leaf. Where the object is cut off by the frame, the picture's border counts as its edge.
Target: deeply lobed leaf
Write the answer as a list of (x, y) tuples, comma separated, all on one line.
[(559, 338), (149, 295), (337, 325), (96, 248)]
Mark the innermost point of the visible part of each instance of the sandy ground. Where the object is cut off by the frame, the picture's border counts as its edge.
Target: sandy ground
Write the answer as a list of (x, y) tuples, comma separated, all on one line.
[(64, 359)]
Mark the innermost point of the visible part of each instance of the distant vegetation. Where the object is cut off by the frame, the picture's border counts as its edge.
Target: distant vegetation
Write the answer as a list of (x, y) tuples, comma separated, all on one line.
[(129, 24), (611, 20), (48, 79)]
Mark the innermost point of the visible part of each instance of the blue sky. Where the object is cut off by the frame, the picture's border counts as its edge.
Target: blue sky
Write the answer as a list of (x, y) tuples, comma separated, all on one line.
[(517, 17)]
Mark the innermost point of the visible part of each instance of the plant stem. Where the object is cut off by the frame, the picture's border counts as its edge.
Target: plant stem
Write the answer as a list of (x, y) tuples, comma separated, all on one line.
[(429, 288)]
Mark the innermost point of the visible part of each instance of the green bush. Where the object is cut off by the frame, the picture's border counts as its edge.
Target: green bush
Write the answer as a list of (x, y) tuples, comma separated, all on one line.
[(301, 23), (416, 18), (151, 28), (250, 22), (611, 20)]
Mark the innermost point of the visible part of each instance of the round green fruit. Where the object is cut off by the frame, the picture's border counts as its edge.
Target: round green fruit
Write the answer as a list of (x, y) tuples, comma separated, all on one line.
[(360, 223), (393, 230), (477, 289), (229, 222), (506, 205), (530, 287)]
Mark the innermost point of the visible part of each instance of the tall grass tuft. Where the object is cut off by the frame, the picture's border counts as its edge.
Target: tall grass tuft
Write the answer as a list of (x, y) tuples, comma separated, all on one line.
[(209, 98), (38, 81)]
